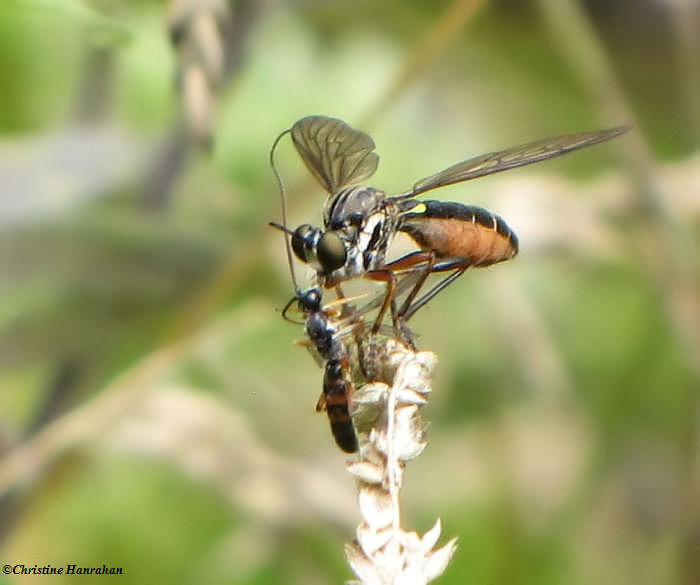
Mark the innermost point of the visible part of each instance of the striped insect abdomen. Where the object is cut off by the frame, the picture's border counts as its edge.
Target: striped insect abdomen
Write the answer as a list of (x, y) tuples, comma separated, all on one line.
[(455, 230)]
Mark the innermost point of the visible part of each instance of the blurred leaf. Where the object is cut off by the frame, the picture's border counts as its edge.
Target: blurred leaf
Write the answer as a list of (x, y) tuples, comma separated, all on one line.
[(46, 176), (106, 31)]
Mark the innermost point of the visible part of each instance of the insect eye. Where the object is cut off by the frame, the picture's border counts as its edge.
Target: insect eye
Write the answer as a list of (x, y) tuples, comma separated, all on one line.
[(304, 240), (331, 252)]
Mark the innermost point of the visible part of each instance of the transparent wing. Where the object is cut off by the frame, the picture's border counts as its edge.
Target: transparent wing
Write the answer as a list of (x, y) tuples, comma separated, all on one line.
[(518, 156), (335, 154)]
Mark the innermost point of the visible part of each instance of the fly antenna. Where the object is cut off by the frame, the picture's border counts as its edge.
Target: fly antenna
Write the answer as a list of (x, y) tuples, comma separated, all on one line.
[(283, 197)]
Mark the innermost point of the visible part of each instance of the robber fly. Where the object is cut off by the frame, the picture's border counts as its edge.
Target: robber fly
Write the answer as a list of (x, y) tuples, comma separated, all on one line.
[(359, 222)]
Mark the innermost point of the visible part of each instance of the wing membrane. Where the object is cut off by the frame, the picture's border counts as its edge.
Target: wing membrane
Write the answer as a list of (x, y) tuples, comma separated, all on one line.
[(518, 156), (336, 154)]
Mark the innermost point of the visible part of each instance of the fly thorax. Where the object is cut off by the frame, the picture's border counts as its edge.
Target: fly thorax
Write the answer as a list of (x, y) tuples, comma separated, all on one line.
[(367, 219), (373, 240), (350, 206)]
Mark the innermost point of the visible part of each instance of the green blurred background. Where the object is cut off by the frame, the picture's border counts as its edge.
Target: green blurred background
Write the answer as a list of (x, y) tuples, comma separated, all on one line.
[(155, 414)]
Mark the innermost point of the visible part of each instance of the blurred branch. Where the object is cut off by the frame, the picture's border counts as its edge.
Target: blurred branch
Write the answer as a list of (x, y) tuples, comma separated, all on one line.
[(685, 20), (62, 384), (426, 51), (673, 261), (81, 424), (672, 258), (210, 39), (96, 88), (540, 362), (60, 387), (166, 168), (196, 28), (210, 441)]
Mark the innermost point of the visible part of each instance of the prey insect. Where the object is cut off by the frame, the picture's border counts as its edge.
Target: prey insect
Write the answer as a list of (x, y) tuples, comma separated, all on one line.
[(327, 336), (360, 222), (339, 337)]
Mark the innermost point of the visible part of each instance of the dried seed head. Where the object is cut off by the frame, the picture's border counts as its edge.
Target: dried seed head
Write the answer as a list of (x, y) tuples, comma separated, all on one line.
[(387, 417)]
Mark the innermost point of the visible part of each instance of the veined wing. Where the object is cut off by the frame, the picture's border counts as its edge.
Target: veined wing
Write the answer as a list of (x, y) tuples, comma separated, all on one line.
[(336, 154), (518, 156)]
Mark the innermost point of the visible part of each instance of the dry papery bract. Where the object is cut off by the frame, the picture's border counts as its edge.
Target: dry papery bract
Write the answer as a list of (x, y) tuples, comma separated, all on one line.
[(392, 432)]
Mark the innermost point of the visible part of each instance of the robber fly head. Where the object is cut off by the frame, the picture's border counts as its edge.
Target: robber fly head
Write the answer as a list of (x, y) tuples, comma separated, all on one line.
[(324, 250), (339, 157)]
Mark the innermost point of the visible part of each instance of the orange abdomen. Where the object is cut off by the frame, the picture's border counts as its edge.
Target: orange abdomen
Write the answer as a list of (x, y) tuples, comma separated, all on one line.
[(454, 230)]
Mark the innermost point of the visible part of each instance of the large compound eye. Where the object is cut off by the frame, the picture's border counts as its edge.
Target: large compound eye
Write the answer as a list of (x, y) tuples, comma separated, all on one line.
[(331, 252), (304, 240)]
